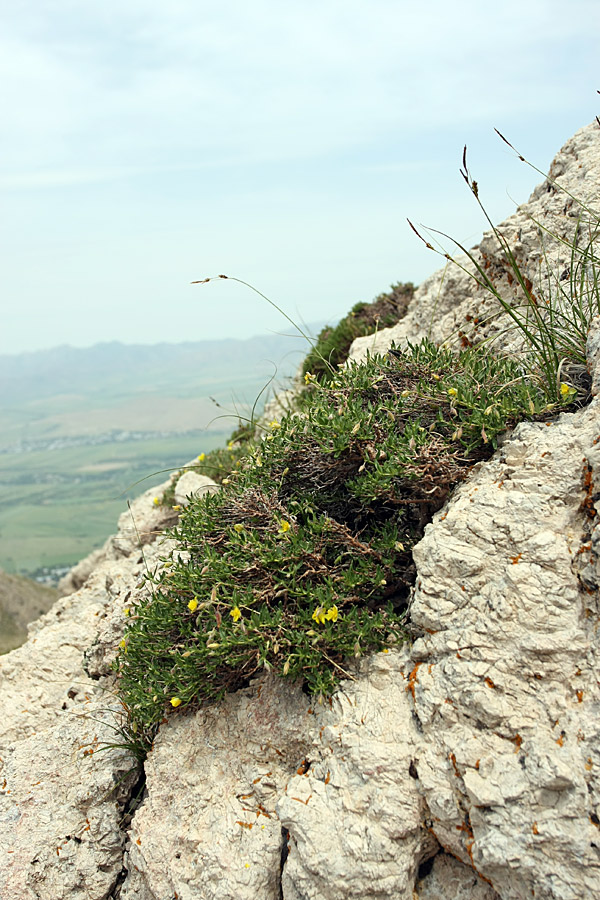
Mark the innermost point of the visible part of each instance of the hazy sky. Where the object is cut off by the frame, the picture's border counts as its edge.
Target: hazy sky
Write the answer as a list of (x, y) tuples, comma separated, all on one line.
[(148, 143)]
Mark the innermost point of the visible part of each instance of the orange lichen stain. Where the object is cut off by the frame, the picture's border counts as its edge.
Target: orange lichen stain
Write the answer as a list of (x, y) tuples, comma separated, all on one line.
[(489, 682), (256, 780), (244, 796), (515, 559), (303, 767), (589, 765), (248, 825), (413, 680), (452, 759), (560, 741), (477, 763), (443, 517), (463, 588), (429, 668), (579, 695), (58, 851), (500, 483), (534, 828), (139, 842), (262, 812), (449, 701), (303, 801), (458, 656), (327, 777), (518, 741)]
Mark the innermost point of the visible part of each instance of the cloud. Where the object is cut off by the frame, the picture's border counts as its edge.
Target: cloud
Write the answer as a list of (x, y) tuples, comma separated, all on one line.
[(147, 83)]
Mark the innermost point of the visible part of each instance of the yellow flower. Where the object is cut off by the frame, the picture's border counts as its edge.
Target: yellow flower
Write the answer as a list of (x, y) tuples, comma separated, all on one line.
[(175, 701), (308, 378), (566, 390), (284, 527), (235, 613), (452, 392), (193, 605), (123, 644), (202, 457), (405, 393), (156, 501), (126, 611), (230, 445), (226, 481), (321, 615), (238, 527), (274, 424), (176, 508)]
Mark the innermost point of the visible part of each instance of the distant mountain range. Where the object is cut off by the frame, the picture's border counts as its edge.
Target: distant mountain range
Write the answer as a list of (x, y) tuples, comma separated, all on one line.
[(134, 367), (83, 429)]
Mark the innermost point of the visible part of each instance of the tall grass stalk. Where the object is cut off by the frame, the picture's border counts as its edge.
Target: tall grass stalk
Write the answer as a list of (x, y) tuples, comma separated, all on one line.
[(554, 320)]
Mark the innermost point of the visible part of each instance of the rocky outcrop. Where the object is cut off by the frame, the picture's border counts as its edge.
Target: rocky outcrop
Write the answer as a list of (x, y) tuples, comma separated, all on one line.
[(462, 767)]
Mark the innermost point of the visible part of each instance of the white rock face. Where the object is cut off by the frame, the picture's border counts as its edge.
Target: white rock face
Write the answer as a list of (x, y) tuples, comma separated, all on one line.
[(451, 305), (505, 678), (232, 788), (62, 793), (192, 484), (464, 767)]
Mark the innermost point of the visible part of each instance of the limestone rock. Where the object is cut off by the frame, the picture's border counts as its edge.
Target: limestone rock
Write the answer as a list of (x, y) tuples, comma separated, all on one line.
[(266, 782), (64, 792), (191, 484), (451, 305), (448, 879), (505, 675)]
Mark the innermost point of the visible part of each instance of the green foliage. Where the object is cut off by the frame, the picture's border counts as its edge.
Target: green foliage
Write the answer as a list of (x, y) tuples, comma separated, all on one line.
[(555, 319), (334, 343), (302, 562)]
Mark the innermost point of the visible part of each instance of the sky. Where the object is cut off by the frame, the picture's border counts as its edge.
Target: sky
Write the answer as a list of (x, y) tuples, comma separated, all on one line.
[(146, 144)]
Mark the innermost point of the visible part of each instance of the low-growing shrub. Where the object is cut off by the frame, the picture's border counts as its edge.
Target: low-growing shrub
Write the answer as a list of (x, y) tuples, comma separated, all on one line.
[(302, 562), (334, 342)]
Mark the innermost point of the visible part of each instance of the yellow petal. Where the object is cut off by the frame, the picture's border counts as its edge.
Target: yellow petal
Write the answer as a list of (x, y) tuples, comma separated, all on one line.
[(235, 613), (193, 605), (175, 701)]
